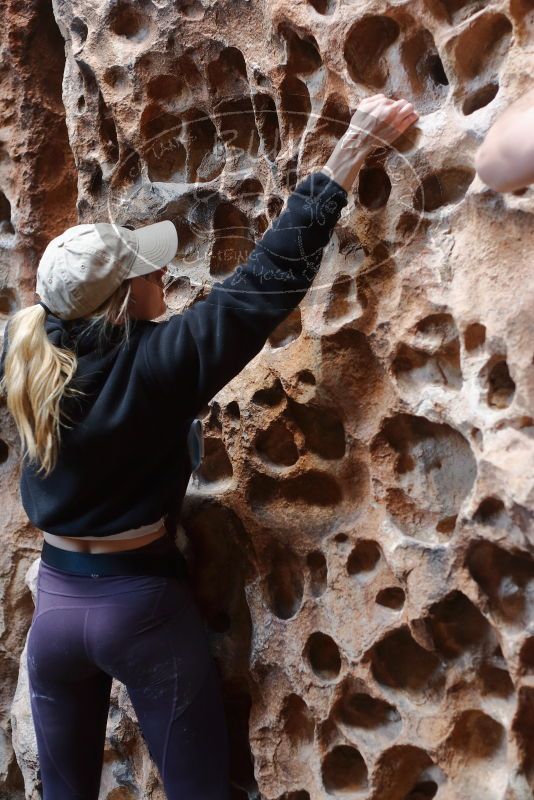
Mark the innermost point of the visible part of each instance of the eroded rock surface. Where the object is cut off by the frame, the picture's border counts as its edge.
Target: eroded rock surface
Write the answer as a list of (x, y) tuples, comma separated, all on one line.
[(360, 530)]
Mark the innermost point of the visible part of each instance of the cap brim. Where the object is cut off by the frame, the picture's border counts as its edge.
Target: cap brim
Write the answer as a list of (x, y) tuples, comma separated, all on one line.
[(157, 245)]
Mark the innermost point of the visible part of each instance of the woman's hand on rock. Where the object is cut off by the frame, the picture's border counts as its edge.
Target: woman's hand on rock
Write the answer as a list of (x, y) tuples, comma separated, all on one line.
[(377, 121)]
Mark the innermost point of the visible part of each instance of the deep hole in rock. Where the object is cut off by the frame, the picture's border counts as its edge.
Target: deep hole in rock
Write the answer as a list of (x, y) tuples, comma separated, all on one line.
[(303, 55), (90, 83), (298, 722), (409, 224), (358, 709), (424, 790), (490, 510), (344, 770), (156, 123), (8, 301), (127, 21), (435, 69), (334, 118), (276, 444), (437, 327), (430, 469), (366, 43), (233, 241), (79, 31), (237, 125), (495, 681), (165, 163), (447, 524), (322, 428), (323, 6), (274, 205), (391, 597), (6, 225), (456, 625), (305, 377), (237, 705), (296, 105), (438, 359), (442, 188), (526, 655), (205, 160), (339, 297), (284, 583), (425, 69), (116, 77), (216, 465), (482, 45), (474, 336), (476, 735), (364, 558), (227, 75), (94, 184), (167, 87), (288, 330), (218, 564), (374, 187), (271, 395), (322, 654), (399, 662), (480, 98), (268, 126), (523, 730), (505, 577), (4, 451), (232, 409), (501, 388), (313, 488), (318, 572), (405, 772)]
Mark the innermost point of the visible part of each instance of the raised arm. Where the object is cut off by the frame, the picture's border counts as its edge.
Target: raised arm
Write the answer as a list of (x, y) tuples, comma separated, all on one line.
[(192, 355), (505, 159)]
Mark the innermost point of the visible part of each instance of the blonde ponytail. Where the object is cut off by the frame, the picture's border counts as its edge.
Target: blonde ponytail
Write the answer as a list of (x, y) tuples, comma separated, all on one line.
[(37, 374)]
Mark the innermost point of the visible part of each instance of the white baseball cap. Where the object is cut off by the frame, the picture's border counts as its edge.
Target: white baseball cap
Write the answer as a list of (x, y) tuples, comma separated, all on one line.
[(84, 265)]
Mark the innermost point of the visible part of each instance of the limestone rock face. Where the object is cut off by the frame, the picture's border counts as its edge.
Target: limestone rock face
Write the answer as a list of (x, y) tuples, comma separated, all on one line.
[(360, 530)]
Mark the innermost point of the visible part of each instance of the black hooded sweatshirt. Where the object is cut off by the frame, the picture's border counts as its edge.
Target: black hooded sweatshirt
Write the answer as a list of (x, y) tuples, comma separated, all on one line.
[(125, 460)]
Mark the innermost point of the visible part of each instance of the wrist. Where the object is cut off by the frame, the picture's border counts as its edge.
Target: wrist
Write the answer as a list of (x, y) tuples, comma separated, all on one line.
[(346, 161)]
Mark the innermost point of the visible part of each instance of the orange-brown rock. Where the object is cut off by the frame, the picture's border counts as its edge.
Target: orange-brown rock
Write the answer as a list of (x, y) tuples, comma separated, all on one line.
[(360, 531)]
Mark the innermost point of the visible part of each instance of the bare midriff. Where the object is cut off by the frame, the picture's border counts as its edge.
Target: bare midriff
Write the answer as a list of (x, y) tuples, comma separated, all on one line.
[(81, 545)]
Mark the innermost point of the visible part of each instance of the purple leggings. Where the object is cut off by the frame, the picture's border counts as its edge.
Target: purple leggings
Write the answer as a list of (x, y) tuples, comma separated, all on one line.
[(147, 632)]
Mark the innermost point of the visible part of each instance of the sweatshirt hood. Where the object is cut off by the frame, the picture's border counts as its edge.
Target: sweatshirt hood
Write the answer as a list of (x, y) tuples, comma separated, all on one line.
[(82, 336)]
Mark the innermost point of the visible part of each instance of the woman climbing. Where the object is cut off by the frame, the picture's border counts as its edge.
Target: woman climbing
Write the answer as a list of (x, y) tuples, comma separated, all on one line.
[(103, 398)]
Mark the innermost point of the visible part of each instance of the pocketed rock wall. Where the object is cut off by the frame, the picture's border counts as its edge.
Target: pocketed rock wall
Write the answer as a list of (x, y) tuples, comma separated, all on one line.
[(360, 530)]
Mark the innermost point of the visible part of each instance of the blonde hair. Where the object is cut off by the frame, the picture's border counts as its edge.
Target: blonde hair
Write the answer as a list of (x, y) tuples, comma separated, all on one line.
[(37, 374)]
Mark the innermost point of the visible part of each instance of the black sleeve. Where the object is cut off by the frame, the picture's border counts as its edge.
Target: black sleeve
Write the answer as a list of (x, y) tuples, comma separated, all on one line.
[(194, 354)]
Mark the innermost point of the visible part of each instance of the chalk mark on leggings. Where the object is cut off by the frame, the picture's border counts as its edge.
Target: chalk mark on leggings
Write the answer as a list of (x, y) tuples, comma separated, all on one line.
[(173, 709), (35, 705)]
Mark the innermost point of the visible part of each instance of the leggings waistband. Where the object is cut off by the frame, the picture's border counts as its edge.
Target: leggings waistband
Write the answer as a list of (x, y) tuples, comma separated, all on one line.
[(160, 557)]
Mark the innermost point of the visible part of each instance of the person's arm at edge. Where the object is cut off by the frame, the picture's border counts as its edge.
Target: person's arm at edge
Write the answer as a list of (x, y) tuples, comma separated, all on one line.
[(505, 159)]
